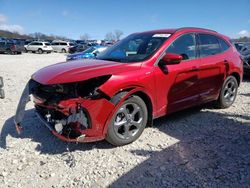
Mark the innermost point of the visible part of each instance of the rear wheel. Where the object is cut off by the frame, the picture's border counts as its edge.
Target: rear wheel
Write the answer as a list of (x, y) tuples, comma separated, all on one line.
[(128, 122), (228, 92), (63, 51)]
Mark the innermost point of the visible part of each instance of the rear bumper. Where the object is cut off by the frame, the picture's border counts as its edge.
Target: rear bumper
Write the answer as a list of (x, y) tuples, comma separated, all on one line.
[(246, 67)]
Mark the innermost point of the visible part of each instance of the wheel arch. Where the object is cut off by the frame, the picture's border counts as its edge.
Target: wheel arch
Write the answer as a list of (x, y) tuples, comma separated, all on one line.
[(149, 105), (237, 76)]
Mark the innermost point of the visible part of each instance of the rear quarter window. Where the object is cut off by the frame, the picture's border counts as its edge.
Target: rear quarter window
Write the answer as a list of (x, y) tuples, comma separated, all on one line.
[(223, 44)]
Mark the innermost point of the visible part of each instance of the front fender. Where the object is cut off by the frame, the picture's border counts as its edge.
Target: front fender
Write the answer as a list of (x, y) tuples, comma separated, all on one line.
[(124, 95)]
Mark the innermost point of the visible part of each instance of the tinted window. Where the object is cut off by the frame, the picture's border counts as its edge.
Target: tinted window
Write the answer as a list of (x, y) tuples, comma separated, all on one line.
[(209, 45), (63, 43), (185, 46), (223, 44)]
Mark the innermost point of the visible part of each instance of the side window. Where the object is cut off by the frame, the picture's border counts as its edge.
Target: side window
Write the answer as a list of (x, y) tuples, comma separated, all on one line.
[(185, 46), (63, 44), (209, 45), (224, 46)]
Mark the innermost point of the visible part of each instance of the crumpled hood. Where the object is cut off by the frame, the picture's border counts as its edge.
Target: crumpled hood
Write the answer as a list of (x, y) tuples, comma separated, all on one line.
[(80, 70)]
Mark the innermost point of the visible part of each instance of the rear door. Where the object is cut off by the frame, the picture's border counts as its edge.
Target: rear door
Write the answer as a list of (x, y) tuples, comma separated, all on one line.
[(212, 66)]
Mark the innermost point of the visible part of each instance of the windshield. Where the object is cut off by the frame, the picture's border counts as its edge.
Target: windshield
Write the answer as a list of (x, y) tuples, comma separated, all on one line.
[(134, 48), (89, 50)]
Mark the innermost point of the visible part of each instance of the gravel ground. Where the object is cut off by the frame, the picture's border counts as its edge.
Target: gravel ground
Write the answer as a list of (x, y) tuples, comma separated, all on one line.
[(199, 147)]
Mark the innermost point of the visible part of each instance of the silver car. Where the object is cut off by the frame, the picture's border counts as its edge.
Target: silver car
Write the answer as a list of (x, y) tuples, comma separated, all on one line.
[(38, 46), (61, 46)]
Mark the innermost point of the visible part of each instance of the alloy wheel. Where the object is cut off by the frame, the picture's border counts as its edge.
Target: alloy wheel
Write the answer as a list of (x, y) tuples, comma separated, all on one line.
[(230, 91), (128, 120)]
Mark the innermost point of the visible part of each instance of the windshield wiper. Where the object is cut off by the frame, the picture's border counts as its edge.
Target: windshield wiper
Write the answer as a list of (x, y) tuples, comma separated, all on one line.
[(110, 59)]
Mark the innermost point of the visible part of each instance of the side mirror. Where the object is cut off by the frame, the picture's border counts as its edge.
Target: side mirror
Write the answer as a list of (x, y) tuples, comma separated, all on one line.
[(172, 58), (169, 59)]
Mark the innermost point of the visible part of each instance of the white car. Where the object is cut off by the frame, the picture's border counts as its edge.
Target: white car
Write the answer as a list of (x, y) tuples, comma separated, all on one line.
[(38, 46), (61, 46)]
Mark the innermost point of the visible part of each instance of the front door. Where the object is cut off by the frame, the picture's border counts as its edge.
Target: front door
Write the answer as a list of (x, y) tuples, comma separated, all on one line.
[(178, 89)]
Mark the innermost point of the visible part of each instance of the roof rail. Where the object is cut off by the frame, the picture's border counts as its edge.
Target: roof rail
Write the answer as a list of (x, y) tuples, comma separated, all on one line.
[(181, 28)]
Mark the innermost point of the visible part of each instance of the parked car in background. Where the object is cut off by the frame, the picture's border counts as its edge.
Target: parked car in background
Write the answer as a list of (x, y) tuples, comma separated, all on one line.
[(244, 49), (61, 46), (88, 53), (80, 42), (11, 47), (78, 48), (142, 77), (38, 46), (2, 95)]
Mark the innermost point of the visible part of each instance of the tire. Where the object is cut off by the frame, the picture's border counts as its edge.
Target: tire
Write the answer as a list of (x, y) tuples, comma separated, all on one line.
[(2, 94), (1, 82), (228, 93), (128, 122), (63, 50), (40, 51), (9, 51)]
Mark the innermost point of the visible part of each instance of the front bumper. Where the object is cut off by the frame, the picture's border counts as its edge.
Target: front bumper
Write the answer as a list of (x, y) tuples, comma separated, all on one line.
[(67, 114)]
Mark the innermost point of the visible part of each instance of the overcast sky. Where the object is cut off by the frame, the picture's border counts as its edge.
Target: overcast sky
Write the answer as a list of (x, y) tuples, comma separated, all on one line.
[(97, 17)]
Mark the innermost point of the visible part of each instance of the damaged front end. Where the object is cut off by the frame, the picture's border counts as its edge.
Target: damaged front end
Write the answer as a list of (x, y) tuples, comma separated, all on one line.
[(73, 112)]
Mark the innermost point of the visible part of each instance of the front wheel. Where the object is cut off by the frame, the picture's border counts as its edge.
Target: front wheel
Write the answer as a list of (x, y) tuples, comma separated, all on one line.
[(228, 92), (128, 122), (40, 51)]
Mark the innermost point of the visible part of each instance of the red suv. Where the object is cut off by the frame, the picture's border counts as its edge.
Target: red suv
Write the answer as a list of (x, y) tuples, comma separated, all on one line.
[(142, 77)]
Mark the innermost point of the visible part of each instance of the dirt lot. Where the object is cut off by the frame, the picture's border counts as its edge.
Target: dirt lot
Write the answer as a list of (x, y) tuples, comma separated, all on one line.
[(199, 147)]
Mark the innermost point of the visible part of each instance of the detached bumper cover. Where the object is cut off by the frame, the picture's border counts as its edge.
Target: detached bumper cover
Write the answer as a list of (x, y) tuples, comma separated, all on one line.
[(20, 111)]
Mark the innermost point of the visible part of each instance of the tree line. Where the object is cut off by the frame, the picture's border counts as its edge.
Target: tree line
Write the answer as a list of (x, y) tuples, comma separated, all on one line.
[(110, 36)]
